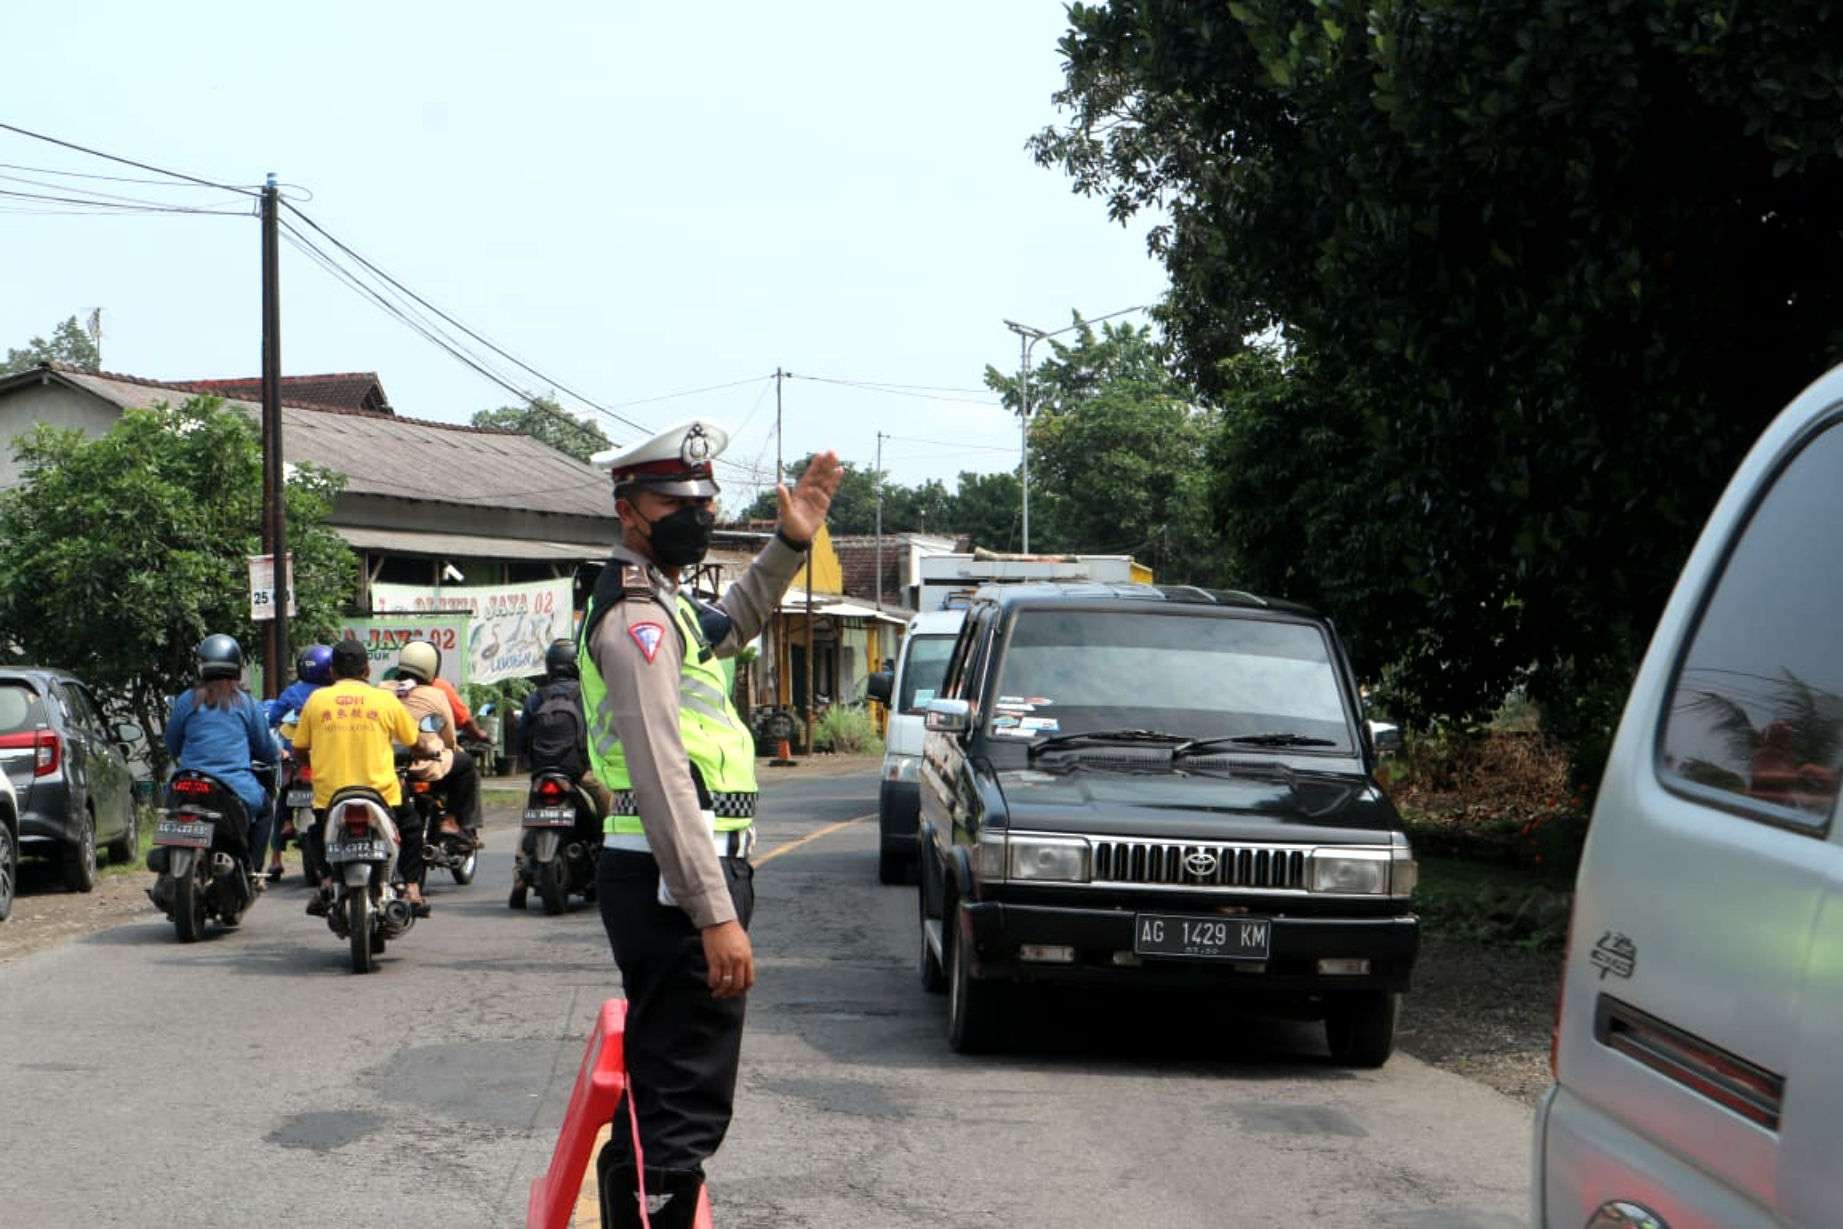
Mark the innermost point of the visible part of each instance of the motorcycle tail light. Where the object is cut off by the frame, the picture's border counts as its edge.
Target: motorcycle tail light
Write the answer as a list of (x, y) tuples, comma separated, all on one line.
[(419, 787), (355, 816), (303, 773), (550, 787), (191, 785)]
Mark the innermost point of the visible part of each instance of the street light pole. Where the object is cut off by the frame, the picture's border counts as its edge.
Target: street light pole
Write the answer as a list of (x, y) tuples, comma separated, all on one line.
[(1026, 338)]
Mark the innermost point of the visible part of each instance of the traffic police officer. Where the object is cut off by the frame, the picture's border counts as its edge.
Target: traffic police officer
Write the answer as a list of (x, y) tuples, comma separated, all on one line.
[(674, 882)]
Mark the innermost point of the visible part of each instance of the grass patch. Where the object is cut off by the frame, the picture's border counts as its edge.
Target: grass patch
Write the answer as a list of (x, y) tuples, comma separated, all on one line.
[(144, 832), (1493, 902)]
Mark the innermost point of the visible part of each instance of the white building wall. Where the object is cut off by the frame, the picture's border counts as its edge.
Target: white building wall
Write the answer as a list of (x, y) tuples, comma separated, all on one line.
[(53, 404)]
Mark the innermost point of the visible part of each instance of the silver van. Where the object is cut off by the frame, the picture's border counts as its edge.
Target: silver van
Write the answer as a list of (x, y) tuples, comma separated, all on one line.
[(1699, 1039)]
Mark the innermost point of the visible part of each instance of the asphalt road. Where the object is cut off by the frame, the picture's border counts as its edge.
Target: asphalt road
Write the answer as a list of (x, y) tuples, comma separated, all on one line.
[(252, 1079)]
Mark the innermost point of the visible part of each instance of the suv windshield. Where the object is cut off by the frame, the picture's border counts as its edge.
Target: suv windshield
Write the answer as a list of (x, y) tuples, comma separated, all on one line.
[(1197, 676), (922, 673)]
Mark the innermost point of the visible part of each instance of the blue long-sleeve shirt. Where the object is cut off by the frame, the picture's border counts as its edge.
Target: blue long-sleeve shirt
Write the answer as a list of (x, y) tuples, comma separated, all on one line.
[(292, 700), (222, 742)]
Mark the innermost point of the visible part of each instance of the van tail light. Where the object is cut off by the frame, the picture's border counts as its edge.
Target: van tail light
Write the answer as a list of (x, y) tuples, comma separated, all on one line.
[(47, 749)]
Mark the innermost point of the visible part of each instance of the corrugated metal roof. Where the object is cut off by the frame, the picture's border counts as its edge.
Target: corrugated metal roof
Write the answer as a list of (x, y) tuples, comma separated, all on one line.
[(412, 542), (388, 454)]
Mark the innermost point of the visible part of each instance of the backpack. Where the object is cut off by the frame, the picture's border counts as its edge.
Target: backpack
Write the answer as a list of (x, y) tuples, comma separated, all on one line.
[(559, 737)]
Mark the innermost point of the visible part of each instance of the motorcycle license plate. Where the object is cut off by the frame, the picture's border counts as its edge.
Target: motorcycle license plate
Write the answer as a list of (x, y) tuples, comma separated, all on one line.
[(1202, 938), (358, 851), (187, 833), (298, 797), (550, 817)]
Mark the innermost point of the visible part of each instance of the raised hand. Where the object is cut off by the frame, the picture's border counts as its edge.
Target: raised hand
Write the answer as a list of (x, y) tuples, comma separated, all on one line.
[(803, 510)]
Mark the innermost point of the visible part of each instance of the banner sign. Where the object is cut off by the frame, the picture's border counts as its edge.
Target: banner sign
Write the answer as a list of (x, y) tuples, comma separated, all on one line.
[(262, 586), (384, 635), (509, 626)]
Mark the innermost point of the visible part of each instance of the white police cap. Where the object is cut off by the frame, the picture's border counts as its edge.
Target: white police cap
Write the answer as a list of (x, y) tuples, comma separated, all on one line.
[(677, 461)]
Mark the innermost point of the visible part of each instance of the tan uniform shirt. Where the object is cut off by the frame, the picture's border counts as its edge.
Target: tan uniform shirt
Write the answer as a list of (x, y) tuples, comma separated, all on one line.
[(421, 700), (643, 698)]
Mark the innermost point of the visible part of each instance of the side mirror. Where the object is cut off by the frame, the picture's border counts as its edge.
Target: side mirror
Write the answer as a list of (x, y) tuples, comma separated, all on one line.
[(127, 733), (486, 710), (431, 724), (948, 717), (881, 686), (1386, 736)]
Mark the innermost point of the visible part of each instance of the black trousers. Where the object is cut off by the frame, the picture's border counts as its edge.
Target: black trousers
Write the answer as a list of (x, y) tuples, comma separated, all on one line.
[(683, 1046), (460, 789), (409, 853)]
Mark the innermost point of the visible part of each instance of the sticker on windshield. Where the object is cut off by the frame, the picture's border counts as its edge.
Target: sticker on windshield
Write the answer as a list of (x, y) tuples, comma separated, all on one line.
[(1003, 722), (923, 694), (1008, 731), (1041, 725), (1013, 704), (1039, 701)]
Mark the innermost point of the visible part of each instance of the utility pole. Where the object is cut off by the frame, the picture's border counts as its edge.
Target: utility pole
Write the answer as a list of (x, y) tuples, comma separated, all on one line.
[(809, 650), (780, 475), (274, 521), (879, 522)]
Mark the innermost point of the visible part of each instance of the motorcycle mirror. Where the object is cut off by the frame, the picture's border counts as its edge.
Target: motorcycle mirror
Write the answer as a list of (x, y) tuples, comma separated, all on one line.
[(292, 717), (430, 724)]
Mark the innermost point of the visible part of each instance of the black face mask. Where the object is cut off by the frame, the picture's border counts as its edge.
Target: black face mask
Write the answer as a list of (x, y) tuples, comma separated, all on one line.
[(682, 538)]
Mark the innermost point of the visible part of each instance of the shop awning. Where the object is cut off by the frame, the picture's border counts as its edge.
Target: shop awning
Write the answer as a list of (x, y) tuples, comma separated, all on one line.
[(462, 545), (836, 607)]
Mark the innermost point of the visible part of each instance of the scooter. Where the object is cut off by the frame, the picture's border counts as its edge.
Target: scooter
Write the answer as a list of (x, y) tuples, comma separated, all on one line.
[(295, 811), (454, 852), (201, 855), (557, 851), (361, 844)]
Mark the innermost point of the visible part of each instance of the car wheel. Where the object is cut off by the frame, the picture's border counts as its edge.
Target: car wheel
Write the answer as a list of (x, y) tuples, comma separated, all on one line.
[(122, 849), (9, 869), (933, 977), (80, 856), (975, 1008), (1360, 1028), (893, 867)]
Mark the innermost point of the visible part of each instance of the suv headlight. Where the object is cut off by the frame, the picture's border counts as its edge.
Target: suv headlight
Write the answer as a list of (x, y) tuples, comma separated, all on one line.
[(1047, 859), (1351, 872), (902, 768)]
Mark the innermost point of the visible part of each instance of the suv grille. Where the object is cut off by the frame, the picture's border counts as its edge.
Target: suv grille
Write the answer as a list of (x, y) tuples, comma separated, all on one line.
[(1180, 864)]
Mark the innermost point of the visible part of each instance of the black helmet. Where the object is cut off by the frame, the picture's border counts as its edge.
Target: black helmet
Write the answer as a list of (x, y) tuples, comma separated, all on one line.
[(220, 657), (560, 659)]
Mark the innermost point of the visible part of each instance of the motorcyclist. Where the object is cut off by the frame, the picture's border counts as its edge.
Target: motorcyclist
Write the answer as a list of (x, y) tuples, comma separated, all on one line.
[(313, 669), (217, 728), (549, 740), (348, 731), (459, 777)]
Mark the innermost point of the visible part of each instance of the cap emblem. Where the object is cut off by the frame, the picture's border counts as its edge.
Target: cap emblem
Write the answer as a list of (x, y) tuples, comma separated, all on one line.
[(696, 449)]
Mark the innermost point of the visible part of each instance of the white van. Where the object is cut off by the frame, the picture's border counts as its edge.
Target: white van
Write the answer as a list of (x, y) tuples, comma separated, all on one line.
[(922, 662), (1699, 1040)]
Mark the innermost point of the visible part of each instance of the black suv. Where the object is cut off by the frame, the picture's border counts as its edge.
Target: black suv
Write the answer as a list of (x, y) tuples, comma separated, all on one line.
[(1133, 785)]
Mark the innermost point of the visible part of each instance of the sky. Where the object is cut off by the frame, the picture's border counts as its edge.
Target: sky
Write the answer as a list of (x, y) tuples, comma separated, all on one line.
[(635, 199)]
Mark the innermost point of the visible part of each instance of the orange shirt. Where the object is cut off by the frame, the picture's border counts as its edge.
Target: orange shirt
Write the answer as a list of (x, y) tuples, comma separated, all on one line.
[(458, 706)]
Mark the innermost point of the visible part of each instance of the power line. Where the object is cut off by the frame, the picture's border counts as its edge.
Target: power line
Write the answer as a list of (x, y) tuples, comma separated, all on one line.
[(888, 390), (92, 204), (910, 439), (97, 153), (100, 196), (489, 344), (52, 170)]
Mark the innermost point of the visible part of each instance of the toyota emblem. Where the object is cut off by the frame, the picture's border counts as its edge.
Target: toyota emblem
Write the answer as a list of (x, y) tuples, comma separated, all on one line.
[(1200, 863)]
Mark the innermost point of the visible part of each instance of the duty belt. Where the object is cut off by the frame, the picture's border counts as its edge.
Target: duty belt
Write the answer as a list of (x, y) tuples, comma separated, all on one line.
[(728, 844), (724, 806)]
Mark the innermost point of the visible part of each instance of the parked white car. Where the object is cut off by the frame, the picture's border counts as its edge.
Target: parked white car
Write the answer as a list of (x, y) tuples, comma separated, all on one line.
[(920, 665), (1699, 1042)]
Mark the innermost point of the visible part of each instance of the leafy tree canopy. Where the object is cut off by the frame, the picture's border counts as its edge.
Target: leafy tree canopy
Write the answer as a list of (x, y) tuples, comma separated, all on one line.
[(1533, 274), (545, 420), (69, 344), (119, 554)]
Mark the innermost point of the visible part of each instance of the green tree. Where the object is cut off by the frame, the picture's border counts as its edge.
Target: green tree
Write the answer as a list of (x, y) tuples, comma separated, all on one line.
[(1118, 453), (69, 344), (1537, 272), (987, 508), (854, 507), (119, 554), (545, 420)]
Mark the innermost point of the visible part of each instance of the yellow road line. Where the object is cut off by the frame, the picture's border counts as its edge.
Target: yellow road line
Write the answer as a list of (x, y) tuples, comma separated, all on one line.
[(588, 1203), (810, 837)]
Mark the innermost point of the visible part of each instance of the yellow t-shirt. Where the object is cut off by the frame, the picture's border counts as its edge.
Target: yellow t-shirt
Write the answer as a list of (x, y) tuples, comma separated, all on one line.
[(347, 730)]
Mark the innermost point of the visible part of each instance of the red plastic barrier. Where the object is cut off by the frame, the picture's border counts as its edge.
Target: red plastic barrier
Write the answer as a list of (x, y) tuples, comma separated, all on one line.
[(599, 1084)]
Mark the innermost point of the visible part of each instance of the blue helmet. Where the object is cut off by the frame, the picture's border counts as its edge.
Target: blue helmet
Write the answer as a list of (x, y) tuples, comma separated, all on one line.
[(315, 664)]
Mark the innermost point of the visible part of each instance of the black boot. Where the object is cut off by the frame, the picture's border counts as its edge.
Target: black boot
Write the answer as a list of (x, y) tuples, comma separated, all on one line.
[(671, 1194)]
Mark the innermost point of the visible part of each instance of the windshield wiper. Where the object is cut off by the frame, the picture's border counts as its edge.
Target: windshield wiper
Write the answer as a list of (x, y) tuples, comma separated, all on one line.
[(1105, 736), (1276, 738)]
